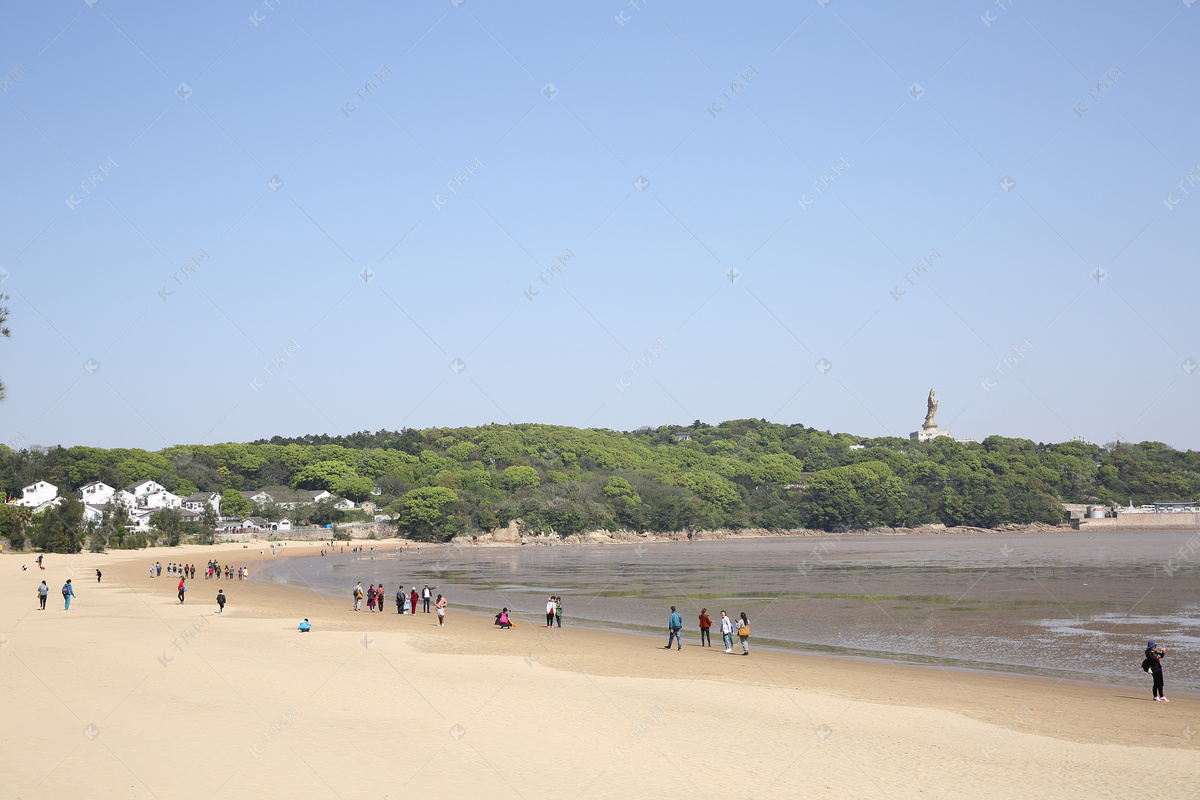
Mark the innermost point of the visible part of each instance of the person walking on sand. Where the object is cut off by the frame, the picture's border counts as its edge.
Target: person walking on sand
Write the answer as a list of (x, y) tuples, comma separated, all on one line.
[(440, 605), (1153, 662), (400, 599), (727, 632), (705, 624), (371, 598), (426, 596), (39, 560), (151, 570), (158, 568), (380, 597), (43, 590), (558, 609), (358, 596), (182, 590), (221, 601), (744, 634), (413, 597), (68, 592), (674, 627), (550, 612), (97, 576)]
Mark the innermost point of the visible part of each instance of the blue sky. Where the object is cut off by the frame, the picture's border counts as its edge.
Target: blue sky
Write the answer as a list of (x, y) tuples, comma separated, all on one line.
[(230, 221)]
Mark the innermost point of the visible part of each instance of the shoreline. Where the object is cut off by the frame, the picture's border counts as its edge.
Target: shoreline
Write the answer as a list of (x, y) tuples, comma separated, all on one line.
[(783, 647)]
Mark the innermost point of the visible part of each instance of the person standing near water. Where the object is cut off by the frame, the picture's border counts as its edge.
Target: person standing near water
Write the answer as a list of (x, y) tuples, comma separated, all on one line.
[(558, 609), (550, 612), (400, 599), (1154, 654), (727, 632), (371, 598), (705, 624), (426, 596), (69, 592), (440, 605), (744, 634), (674, 628), (412, 597), (358, 595)]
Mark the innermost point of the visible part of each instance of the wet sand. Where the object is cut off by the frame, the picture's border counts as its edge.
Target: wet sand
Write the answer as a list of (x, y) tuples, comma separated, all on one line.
[(131, 695)]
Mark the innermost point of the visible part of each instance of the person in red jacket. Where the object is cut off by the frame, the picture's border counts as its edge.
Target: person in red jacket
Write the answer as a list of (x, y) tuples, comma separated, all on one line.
[(414, 597), (705, 624)]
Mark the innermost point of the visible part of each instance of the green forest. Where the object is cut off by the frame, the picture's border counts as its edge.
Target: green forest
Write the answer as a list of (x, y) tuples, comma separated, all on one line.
[(444, 482)]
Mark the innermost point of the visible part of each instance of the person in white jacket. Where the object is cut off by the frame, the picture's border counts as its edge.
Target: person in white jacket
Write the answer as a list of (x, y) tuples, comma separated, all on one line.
[(727, 632)]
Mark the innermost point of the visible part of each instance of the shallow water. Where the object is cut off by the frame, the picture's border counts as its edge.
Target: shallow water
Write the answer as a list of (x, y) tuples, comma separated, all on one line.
[(1067, 604)]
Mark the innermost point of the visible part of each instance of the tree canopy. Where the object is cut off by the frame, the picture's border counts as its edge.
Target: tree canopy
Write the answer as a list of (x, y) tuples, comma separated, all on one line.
[(442, 482)]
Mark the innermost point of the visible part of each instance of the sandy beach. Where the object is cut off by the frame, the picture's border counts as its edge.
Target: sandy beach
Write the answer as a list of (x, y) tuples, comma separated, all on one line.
[(130, 694)]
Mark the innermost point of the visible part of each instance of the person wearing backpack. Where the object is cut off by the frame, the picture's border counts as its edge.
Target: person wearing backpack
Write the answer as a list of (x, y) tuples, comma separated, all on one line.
[(1153, 665), (68, 592)]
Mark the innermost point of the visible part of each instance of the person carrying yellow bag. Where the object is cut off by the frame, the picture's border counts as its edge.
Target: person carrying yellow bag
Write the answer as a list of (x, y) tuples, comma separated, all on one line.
[(744, 634)]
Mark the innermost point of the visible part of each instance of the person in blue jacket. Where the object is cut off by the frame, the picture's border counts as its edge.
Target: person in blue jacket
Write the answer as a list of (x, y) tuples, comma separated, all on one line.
[(68, 592), (304, 627), (675, 628)]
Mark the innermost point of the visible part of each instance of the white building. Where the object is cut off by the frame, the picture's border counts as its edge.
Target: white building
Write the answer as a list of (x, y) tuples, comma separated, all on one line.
[(197, 501), (98, 493), (286, 497), (151, 494), (39, 496)]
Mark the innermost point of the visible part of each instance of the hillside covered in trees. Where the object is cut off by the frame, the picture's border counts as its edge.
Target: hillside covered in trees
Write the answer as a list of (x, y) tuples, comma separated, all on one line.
[(443, 482)]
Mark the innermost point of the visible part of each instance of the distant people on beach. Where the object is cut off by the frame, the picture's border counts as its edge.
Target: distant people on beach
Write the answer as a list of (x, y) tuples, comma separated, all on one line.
[(400, 599), (674, 630), (440, 605), (39, 561), (158, 569), (182, 590), (551, 606), (727, 632), (1153, 665), (705, 624), (43, 590), (68, 592)]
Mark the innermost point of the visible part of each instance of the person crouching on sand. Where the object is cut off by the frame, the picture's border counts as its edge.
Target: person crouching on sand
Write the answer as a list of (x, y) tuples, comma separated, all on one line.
[(503, 620), (304, 627)]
